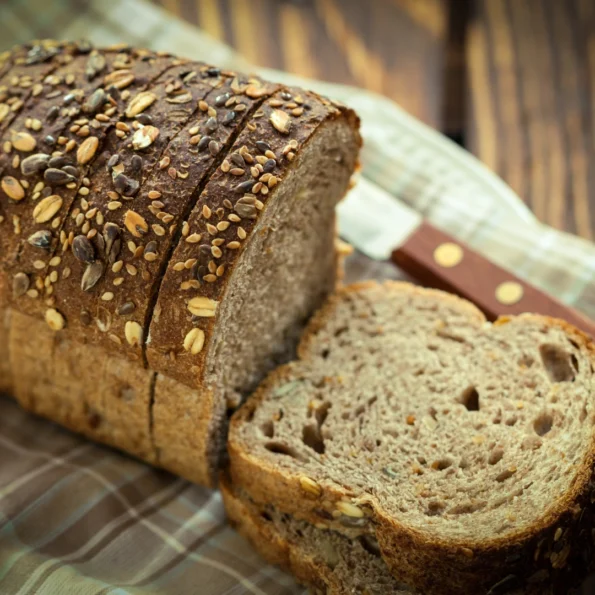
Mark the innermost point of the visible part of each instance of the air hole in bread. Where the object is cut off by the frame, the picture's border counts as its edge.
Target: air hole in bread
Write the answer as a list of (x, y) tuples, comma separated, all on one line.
[(495, 456), (266, 516), (467, 507), (435, 508), (583, 414), (470, 398), (282, 449), (340, 331), (511, 421), (557, 363), (543, 424), (312, 438), (370, 544), (325, 353), (504, 475), (442, 464), (574, 362), (268, 429)]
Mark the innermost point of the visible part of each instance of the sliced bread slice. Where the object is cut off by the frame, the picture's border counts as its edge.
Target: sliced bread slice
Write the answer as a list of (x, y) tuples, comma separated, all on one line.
[(466, 448), (327, 562)]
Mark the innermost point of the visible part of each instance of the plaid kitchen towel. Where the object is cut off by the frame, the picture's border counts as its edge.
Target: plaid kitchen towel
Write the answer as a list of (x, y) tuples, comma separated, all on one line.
[(76, 518)]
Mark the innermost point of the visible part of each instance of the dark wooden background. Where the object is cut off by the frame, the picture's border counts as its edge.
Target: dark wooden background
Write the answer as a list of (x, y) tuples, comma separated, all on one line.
[(511, 80)]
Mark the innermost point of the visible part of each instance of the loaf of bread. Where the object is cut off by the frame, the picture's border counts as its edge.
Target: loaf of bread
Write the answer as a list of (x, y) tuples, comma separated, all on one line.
[(167, 228), (464, 449)]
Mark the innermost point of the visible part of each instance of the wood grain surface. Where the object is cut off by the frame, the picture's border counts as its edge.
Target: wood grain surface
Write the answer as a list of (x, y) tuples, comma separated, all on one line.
[(511, 80)]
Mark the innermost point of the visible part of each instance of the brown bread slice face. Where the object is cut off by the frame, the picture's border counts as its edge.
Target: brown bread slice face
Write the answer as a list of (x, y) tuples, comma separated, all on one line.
[(259, 240), (327, 562), (466, 448)]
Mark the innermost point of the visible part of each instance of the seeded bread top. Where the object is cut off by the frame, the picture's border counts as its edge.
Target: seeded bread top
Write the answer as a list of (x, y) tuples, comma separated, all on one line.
[(111, 293), (60, 132), (218, 227), (112, 154), (23, 71), (65, 128), (411, 416)]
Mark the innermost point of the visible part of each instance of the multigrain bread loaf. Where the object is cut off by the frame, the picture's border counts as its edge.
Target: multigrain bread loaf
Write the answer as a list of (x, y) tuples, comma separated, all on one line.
[(164, 248), (465, 448), (328, 562)]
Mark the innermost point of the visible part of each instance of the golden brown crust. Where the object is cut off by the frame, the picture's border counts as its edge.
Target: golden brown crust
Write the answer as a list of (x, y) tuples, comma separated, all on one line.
[(184, 428), (551, 551)]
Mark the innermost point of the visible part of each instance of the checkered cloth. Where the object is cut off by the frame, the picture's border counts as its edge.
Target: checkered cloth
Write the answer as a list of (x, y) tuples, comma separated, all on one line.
[(78, 518)]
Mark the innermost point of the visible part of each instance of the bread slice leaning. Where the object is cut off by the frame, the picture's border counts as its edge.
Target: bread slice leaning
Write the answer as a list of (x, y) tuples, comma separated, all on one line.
[(465, 448), (327, 562)]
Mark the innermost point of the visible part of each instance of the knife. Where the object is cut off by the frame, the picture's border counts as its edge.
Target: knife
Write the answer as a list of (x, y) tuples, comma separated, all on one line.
[(384, 228)]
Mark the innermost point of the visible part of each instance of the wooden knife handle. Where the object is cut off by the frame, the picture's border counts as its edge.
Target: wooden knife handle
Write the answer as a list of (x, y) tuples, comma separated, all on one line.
[(441, 261)]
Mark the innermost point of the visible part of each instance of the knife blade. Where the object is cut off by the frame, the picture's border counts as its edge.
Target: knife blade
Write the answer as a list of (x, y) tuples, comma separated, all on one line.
[(384, 228)]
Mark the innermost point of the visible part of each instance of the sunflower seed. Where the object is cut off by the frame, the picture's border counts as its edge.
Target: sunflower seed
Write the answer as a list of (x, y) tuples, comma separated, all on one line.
[(34, 164), (95, 102), (91, 275), (83, 249), (57, 177), (111, 236), (126, 308), (41, 239), (95, 64), (125, 185)]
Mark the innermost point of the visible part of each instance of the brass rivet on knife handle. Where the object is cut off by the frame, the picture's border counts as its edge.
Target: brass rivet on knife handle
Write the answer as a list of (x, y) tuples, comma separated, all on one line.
[(509, 292), (428, 256), (448, 254)]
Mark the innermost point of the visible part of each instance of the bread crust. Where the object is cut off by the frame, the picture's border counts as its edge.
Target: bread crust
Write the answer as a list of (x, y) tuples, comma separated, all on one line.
[(554, 552)]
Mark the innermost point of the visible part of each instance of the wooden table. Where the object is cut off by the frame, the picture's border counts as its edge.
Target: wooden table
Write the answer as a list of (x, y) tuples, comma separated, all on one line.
[(511, 80)]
